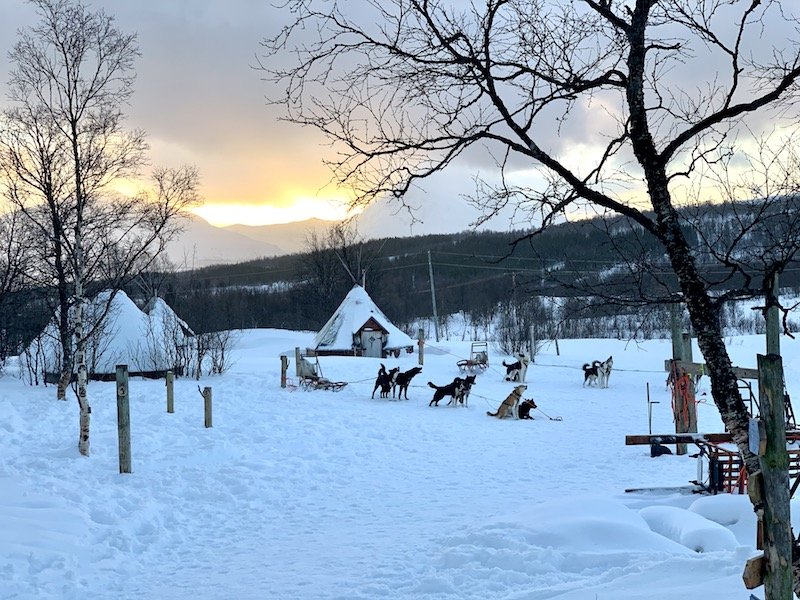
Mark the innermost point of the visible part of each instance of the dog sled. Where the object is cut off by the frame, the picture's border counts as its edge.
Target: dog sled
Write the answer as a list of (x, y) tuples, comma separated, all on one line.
[(313, 382), (311, 378), (478, 359)]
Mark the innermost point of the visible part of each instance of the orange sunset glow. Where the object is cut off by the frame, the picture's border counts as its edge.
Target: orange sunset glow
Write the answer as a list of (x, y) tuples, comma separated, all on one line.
[(223, 214)]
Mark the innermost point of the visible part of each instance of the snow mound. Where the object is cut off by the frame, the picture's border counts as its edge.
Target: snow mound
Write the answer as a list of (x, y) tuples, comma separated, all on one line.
[(689, 529)]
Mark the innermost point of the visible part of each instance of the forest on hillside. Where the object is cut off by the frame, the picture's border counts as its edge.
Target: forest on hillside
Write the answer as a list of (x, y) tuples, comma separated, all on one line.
[(561, 281)]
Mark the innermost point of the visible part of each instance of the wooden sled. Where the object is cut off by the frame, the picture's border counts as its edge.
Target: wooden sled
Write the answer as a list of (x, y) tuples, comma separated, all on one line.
[(478, 358), (308, 383)]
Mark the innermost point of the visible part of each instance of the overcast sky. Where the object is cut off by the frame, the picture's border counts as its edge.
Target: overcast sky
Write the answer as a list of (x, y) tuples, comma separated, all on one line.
[(202, 103)]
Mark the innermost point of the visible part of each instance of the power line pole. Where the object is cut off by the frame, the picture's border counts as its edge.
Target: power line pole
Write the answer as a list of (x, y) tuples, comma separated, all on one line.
[(433, 298)]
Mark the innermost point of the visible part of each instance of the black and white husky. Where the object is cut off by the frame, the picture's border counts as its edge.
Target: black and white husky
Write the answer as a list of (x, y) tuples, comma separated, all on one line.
[(598, 372), (516, 371)]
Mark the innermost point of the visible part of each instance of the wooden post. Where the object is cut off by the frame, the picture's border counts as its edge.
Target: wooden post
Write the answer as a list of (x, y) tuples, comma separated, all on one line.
[(421, 345), (773, 319), (775, 475), (532, 342), (207, 403), (686, 343), (433, 298), (297, 358), (691, 408), (170, 392), (675, 328), (123, 419), (284, 368)]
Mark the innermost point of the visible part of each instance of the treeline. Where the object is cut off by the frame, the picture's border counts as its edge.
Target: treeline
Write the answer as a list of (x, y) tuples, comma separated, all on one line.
[(569, 281), (594, 267)]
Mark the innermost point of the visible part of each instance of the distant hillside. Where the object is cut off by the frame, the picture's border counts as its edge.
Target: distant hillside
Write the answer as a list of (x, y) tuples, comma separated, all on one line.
[(201, 244), (289, 237), (474, 273)]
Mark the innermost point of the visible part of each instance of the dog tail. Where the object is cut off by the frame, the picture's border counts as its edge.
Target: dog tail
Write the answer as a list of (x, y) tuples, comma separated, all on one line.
[(505, 365), (492, 414), (436, 387), (586, 366)]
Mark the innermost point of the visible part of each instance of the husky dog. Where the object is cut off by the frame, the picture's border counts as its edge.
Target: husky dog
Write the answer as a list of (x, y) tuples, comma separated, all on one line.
[(508, 408), (516, 371), (463, 395), (590, 373), (525, 408), (451, 389), (402, 381), (384, 381), (598, 372), (604, 372)]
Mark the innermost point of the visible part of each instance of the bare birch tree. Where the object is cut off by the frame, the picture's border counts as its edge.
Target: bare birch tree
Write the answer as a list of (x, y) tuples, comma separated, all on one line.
[(72, 75), (633, 109)]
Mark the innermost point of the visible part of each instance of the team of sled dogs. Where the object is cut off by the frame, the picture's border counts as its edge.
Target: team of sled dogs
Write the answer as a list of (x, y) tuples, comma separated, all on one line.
[(396, 381)]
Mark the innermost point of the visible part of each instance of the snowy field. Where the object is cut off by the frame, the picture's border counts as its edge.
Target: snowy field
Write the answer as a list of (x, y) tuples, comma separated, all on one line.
[(295, 494)]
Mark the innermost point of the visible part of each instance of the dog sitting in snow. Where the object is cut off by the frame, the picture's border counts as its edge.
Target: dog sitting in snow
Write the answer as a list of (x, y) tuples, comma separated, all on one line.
[(451, 389), (509, 406), (598, 372), (403, 380), (516, 371), (463, 395), (384, 381)]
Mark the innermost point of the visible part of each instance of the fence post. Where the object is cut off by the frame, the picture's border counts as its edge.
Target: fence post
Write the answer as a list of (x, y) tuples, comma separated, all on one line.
[(170, 392), (284, 368), (421, 344), (773, 319), (532, 342), (207, 403), (123, 419), (775, 474)]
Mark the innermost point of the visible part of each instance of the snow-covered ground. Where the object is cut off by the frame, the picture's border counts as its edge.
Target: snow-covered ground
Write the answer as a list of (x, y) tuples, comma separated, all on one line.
[(323, 494)]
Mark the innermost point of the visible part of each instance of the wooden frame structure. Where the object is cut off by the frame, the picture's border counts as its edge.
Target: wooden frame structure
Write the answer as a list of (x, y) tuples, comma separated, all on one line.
[(725, 467)]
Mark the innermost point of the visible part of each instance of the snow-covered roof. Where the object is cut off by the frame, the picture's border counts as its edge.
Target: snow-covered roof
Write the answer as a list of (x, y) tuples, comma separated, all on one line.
[(127, 336), (355, 310)]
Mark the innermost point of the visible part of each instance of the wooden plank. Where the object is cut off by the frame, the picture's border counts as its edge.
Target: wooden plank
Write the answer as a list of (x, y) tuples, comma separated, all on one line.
[(693, 368), (753, 575), (677, 438), (691, 438)]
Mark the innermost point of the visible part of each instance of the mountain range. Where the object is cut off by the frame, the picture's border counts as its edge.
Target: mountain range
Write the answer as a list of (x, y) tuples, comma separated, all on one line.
[(202, 244)]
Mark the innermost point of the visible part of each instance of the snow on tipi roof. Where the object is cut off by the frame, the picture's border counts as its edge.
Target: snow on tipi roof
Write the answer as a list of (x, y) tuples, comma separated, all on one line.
[(126, 336), (354, 311)]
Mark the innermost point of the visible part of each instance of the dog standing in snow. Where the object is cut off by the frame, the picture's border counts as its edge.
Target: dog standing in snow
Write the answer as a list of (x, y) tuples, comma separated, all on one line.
[(598, 372)]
